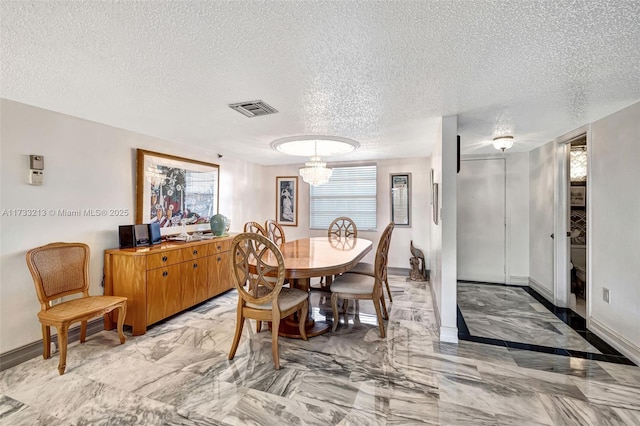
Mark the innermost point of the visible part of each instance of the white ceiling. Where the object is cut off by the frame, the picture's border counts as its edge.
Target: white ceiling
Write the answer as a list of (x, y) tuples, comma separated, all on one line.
[(382, 73)]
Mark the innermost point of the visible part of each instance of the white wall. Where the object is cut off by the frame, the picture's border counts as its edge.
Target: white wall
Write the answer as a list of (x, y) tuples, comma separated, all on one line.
[(87, 165), (399, 249), (443, 257), (614, 233), (541, 216), (517, 212)]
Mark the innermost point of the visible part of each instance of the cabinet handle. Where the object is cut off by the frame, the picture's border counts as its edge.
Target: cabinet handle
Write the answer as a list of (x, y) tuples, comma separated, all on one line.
[(195, 252), (195, 265), (165, 273), (219, 247), (219, 259), (165, 258)]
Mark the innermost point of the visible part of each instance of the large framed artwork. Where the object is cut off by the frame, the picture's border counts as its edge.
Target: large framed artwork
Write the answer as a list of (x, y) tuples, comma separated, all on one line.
[(401, 199), (287, 200), (175, 191)]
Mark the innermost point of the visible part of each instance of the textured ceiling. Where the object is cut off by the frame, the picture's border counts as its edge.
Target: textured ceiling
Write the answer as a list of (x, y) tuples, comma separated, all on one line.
[(382, 73)]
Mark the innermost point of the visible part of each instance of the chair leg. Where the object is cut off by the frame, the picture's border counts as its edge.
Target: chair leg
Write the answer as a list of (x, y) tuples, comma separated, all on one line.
[(62, 343), (236, 337), (46, 341), (376, 304), (275, 327), (386, 282), (83, 331), (121, 314), (304, 313), (385, 313), (258, 326), (334, 307)]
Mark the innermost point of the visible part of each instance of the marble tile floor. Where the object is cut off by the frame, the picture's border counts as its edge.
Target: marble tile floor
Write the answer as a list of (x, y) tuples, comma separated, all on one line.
[(518, 317), (178, 374)]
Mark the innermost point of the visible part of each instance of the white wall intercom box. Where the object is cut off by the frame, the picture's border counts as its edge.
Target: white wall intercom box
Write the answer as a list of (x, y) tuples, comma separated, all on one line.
[(36, 170)]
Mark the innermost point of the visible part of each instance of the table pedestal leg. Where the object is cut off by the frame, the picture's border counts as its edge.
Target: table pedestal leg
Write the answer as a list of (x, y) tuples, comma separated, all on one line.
[(289, 325)]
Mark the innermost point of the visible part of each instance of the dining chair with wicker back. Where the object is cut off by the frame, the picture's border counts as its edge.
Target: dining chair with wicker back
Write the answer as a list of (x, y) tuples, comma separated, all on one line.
[(363, 287), (59, 270), (258, 272)]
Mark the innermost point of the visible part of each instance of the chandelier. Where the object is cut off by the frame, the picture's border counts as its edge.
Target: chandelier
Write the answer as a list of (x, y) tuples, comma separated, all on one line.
[(315, 172), (503, 142)]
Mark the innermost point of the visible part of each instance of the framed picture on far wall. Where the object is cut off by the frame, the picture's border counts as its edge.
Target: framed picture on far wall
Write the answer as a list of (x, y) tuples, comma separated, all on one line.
[(287, 200), (578, 196)]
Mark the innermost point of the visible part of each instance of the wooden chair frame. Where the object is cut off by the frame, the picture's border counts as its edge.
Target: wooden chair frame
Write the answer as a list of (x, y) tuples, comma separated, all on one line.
[(55, 275), (255, 227), (343, 226), (275, 232), (259, 282), (376, 295)]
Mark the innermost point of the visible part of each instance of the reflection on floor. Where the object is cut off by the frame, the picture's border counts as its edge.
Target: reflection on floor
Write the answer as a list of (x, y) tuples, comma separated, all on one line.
[(519, 317), (178, 374)]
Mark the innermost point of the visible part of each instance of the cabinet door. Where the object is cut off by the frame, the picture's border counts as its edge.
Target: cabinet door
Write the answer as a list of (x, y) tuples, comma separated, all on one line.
[(219, 276), (164, 293), (194, 282)]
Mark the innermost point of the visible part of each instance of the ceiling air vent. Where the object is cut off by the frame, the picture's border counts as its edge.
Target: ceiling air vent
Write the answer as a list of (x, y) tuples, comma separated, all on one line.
[(253, 108)]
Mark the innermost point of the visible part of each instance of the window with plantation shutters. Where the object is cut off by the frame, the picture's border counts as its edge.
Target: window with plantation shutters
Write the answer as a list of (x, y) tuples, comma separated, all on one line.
[(351, 192)]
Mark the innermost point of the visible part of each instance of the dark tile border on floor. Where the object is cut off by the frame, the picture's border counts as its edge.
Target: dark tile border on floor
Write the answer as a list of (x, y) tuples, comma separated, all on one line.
[(566, 315)]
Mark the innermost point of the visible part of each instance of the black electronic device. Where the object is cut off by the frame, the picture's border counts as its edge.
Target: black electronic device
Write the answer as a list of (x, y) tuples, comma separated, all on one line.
[(154, 233), (127, 234), (142, 235), (138, 235)]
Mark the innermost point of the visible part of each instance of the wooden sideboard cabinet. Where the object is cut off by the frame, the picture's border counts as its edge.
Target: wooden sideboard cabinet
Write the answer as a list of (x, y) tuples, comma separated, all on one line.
[(162, 280)]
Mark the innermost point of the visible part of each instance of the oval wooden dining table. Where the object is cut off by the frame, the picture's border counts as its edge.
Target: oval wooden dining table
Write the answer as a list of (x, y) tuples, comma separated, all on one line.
[(318, 257)]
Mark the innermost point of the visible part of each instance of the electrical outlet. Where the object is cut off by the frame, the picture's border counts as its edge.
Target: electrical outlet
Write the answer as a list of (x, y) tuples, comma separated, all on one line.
[(605, 295), (53, 348)]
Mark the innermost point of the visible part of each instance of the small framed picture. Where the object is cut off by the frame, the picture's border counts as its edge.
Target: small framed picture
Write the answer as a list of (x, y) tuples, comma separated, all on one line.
[(401, 199), (287, 200), (578, 196)]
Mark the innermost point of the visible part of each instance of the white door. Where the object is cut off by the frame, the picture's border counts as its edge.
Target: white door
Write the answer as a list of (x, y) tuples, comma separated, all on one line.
[(481, 220)]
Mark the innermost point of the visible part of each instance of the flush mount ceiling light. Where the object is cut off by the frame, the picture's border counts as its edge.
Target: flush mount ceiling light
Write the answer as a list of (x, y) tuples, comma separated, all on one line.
[(315, 171), (503, 142)]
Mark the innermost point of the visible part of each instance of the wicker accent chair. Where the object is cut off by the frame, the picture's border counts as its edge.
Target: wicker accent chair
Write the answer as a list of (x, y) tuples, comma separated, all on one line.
[(59, 270), (258, 269), (359, 287), (255, 227), (275, 232)]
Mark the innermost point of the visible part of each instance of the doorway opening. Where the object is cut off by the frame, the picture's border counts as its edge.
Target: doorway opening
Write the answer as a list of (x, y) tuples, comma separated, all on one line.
[(578, 224)]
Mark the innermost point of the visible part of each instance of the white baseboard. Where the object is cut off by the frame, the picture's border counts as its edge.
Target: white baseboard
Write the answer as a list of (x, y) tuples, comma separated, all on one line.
[(626, 347), (517, 280), (545, 292), (449, 334)]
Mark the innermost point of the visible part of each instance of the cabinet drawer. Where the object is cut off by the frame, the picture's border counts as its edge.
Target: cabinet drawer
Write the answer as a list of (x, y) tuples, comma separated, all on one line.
[(219, 246), (165, 258), (195, 252)]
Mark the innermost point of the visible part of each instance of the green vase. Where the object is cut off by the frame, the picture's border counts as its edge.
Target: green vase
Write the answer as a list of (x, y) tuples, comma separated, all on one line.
[(219, 224)]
